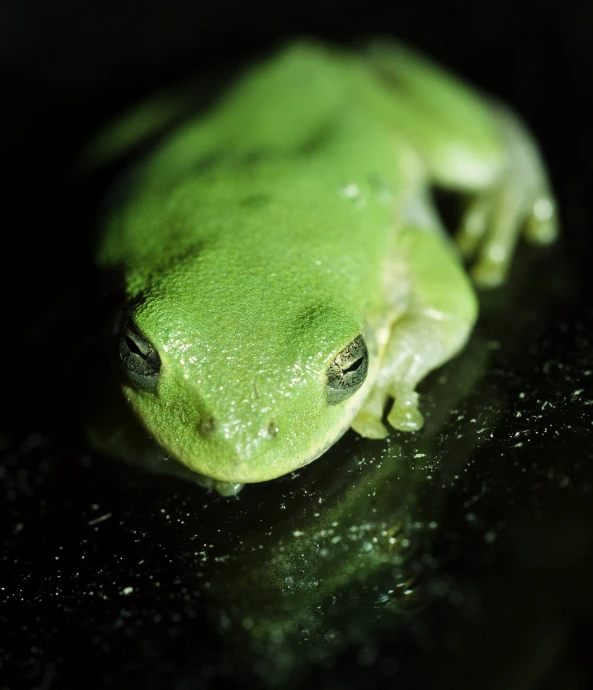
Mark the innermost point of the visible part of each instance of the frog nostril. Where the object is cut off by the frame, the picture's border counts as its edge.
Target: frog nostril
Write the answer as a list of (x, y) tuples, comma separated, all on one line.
[(207, 426), (272, 429)]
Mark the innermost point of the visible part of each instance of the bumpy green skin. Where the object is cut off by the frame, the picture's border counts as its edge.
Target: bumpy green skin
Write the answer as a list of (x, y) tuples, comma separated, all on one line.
[(260, 239)]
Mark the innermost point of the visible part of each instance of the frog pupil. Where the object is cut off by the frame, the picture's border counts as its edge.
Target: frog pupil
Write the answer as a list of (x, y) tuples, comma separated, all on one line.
[(354, 366), (133, 347)]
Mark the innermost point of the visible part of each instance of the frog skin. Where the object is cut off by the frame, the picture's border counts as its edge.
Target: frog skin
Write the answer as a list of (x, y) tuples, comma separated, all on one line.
[(286, 274)]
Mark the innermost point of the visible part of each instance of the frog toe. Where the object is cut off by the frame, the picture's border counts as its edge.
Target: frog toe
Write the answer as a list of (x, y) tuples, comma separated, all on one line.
[(542, 224), (404, 414), (227, 488), (369, 426), (493, 224), (472, 228), (368, 422)]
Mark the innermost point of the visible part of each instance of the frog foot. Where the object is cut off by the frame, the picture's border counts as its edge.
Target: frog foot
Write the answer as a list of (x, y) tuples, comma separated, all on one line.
[(403, 416), (518, 202), (491, 227)]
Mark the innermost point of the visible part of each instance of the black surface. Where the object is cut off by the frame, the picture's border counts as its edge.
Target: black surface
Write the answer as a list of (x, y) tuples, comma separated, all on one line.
[(488, 584)]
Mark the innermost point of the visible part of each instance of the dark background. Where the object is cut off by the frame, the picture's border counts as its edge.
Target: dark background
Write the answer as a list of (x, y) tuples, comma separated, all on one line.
[(507, 593)]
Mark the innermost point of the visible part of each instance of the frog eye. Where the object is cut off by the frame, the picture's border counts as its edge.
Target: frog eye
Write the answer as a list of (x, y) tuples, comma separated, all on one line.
[(346, 374), (138, 358)]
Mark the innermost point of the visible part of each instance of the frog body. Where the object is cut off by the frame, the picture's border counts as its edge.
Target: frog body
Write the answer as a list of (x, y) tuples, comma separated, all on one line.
[(286, 275)]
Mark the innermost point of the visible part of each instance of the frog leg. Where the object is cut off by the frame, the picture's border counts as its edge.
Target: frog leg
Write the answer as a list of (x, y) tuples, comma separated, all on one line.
[(439, 317), (470, 144), (519, 201)]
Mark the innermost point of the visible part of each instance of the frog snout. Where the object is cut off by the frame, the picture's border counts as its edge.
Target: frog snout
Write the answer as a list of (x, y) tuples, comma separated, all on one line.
[(209, 427)]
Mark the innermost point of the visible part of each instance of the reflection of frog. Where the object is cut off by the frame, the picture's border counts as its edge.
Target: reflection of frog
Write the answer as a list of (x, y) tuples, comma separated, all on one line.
[(285, 270)]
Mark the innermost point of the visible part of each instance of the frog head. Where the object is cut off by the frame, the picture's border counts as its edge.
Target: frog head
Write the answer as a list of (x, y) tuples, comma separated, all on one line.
[(241, 385)]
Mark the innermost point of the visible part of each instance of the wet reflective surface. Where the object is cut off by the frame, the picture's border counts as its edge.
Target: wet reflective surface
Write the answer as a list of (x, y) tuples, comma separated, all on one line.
[(460, 557)]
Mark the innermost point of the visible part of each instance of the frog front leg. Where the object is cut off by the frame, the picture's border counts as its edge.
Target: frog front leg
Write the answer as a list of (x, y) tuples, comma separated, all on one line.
[(474, 145), (439, 317)]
